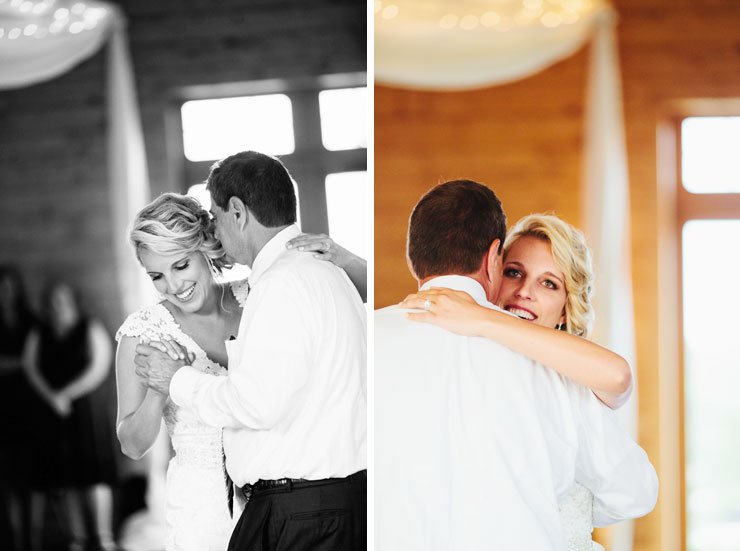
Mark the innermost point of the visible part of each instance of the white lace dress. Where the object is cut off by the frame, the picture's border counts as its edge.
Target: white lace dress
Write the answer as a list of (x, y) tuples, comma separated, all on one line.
[(196, 510), (576, 514)]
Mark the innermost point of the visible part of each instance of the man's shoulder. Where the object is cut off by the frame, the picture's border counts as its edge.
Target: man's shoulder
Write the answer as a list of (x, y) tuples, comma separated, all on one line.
[(297, 268), (388, 312), (315, 280)]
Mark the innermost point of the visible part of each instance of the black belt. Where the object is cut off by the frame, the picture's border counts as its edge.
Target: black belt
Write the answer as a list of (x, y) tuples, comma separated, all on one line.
[(280, 482), (290, 483)]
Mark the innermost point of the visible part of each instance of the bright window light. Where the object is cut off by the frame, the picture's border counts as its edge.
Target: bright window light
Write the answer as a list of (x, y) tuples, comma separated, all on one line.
[(343, 119), (200, 192), (216, 128), (711, 378), (711, 154), (346, 201)]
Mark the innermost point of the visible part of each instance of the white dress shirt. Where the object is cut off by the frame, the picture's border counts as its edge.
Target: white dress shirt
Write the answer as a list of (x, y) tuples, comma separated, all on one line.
[(294, 402), (475, 444)]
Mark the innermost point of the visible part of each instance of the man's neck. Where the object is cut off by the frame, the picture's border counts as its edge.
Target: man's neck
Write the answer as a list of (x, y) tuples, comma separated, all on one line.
[(261, 236), (477, 276)]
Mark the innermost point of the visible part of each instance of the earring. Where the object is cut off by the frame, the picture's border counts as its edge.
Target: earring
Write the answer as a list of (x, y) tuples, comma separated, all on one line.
[(559, 327)]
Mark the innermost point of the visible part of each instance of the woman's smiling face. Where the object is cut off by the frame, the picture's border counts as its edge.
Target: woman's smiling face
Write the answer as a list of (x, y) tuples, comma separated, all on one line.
[(533, 286), (184, 279)]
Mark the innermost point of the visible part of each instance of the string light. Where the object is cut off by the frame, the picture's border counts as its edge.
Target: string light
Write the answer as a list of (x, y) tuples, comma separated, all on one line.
[(551, 19), (469, 22), (57, 26), (389, 12), (449, 21), (507, 14), (78, 18), (490, 19)]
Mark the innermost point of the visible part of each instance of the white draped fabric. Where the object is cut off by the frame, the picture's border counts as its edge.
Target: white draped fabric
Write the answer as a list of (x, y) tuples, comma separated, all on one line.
[(454, 45), (606, 215), (463, 44), (40, 40)]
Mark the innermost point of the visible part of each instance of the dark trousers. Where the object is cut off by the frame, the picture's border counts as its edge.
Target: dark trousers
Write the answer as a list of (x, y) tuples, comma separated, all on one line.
[(326, 515)]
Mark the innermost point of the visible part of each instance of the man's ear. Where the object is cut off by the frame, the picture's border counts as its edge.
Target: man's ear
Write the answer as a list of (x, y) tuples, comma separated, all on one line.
[(494, 260), (239, 211)]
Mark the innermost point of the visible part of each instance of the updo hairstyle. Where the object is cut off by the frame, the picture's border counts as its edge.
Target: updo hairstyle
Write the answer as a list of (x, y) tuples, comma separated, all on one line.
[(177, 224)]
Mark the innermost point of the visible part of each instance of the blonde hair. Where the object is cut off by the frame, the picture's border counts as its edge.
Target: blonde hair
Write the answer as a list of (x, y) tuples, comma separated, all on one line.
[(173, 224), (573, 257)]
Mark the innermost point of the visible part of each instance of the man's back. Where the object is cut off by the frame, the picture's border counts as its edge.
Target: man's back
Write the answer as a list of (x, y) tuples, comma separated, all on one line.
[(474, 443)]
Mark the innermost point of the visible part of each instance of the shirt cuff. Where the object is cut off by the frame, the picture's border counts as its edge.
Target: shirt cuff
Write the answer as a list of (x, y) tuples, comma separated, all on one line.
[(184, 384)]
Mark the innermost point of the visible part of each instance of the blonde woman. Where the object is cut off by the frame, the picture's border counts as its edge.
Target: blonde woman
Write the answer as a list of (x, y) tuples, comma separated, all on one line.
[(547, 285), (174, 241)]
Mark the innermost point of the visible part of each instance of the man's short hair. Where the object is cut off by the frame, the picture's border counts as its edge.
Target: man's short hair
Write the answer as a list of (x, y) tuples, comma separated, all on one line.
[(261, 182), (452, 227)]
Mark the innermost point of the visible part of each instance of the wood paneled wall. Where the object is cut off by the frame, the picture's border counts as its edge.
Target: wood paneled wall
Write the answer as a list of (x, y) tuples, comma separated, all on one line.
[(525, 139), (54, 199)]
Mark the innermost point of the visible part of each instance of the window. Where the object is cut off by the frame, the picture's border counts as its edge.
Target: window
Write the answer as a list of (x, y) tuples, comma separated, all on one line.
[(708, 223), (343, 118), (216, 128), (317, 126), (346, 197), (709, 154)]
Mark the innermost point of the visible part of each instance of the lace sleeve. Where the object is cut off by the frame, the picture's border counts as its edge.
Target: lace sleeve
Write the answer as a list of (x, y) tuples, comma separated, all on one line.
[(240, 289), (148, 324)]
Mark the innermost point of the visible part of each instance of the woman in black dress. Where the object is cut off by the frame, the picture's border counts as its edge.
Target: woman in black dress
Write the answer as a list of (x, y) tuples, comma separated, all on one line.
[(17, 401), (68, 360)]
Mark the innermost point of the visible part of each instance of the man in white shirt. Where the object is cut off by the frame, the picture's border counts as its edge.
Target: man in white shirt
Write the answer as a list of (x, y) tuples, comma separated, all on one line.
[(293, 407), (474, 443)]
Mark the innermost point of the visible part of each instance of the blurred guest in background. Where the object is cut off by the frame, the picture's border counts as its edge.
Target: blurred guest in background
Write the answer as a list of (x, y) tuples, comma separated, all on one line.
[(16, 322), (68, 362)]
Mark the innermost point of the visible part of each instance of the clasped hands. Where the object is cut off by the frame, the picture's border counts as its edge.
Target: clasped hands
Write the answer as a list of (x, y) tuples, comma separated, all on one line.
[(157, 361)]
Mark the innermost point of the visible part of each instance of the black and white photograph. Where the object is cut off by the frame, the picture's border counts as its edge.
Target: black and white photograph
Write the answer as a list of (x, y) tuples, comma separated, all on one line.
[(183, 275)]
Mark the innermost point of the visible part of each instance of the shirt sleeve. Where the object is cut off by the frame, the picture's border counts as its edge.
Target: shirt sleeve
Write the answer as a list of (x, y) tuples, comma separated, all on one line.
[(611, 465), (268, 362)]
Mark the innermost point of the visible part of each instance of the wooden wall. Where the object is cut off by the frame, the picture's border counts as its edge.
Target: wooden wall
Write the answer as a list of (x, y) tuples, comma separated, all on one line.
[(524, 140), (54, 199)]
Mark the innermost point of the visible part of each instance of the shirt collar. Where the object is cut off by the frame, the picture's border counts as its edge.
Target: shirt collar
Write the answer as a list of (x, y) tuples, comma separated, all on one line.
[(270, 252), (460, 283)]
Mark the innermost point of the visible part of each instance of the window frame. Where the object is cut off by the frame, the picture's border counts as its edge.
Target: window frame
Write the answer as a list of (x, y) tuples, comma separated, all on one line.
[(309, 164), (676, 206)]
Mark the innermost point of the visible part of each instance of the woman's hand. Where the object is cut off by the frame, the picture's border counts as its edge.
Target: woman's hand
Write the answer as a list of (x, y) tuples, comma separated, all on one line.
[(455, 311), (173, 349), (323, 248)]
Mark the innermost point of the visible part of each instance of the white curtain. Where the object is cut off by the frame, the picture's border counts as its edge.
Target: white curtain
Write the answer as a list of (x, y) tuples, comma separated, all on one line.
[(463, 44), (40, 40), (606, 215)]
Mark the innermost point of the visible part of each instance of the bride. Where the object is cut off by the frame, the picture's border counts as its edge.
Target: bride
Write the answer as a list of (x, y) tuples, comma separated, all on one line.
[(174, 241), (547, 282)]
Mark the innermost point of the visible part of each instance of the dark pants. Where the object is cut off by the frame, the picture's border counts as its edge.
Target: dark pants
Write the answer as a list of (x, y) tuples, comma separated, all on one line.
[(326, 515)]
